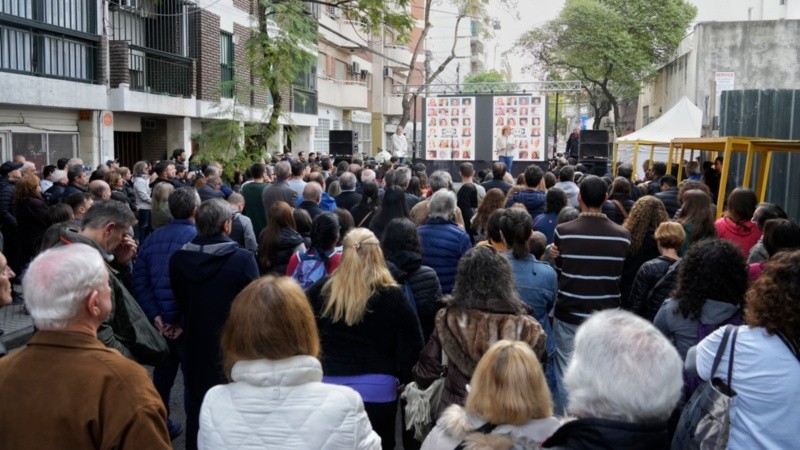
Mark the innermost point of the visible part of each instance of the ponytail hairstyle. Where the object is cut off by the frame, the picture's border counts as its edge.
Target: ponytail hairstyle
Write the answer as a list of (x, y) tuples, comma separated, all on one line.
[(324, 234), (515, 225)]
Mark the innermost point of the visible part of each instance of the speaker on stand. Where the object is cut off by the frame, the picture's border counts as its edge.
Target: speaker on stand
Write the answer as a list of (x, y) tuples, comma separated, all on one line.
[(593, 150), (342, 145)]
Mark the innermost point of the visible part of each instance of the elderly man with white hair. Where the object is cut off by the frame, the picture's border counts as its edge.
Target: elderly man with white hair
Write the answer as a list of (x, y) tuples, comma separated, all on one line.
[(624, 380), (443, 240), (68, 390)]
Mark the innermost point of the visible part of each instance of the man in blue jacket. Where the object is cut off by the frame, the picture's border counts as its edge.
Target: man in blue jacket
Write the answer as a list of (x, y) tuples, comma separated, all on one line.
[(443, 241), (532, 196), (206, 275), (152, 288)]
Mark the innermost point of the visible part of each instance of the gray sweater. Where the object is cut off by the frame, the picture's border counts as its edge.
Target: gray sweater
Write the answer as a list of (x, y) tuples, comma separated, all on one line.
[(682, 331)]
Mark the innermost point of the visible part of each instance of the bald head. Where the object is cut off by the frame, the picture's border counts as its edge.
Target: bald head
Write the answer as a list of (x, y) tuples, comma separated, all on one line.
[(100, 190), (312, 192)]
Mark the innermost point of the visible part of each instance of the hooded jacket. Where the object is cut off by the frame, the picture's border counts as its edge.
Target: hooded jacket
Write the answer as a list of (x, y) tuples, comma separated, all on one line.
[(745, 235), (604, 434), (534, 200), (206, 275), (457, 425), (465, 335), (572, 191), (284, 404), (406, 267), (683, 331)]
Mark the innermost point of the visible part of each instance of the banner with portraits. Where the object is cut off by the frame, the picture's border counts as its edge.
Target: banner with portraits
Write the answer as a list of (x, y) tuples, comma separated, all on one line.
[(525, 116), (450, 128)]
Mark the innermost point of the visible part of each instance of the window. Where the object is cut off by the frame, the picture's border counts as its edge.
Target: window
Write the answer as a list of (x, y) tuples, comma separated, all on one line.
[(645, 115), (226, 64), (340, 70), (364, 131), (44, 148), (321, 136)]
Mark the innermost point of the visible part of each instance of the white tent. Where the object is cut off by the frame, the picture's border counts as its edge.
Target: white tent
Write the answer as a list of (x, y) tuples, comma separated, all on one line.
[(682, 120)]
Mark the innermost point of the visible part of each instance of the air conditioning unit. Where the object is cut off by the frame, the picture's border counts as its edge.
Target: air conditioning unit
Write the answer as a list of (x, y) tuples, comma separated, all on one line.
[(364, 74), (387, 72), (356, 68)]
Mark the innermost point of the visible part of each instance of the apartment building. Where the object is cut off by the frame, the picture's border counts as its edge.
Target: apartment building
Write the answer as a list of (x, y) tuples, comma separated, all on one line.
[(134, 79)]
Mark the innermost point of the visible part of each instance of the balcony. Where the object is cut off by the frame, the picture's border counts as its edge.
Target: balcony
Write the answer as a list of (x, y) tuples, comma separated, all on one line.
[(341, 32), (397, 53), (160, 74), (33, 53), (393, 105), (343, 94)]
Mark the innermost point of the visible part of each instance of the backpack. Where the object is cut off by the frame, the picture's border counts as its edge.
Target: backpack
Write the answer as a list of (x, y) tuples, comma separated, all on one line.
[(309, 270), (691, 382)]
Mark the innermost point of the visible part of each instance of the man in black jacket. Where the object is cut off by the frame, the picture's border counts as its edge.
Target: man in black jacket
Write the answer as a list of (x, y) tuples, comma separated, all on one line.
[(669, 195), (9, 174), (349, 197), (77, 179)]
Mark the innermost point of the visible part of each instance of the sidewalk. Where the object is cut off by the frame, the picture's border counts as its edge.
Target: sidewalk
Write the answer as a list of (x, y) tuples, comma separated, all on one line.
[(18, 326)]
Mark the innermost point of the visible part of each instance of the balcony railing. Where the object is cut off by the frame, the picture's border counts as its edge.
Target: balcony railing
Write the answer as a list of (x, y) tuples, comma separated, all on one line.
[(74, 15), (41, 54), (160, 74), (304, 101)]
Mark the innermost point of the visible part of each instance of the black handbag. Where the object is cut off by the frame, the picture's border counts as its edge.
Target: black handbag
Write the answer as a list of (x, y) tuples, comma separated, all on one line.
[(705, 421)]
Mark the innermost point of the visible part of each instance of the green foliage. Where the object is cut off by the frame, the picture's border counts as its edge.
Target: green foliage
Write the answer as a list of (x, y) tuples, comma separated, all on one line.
[(281, 46), (612, 46)]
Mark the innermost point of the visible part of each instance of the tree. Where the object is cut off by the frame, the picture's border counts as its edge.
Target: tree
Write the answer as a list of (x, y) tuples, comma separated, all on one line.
[(477, 82), (467, 10), (280, 48), (612, 46)]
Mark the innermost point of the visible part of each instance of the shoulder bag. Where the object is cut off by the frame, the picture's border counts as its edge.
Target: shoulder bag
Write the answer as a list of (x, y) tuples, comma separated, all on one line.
[(705, 421), (422, 405)]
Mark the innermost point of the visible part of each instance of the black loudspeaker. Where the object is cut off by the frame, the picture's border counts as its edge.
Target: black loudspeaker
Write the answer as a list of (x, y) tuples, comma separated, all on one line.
[(343, 142), (593, 151), (594, 137), (594, 166)]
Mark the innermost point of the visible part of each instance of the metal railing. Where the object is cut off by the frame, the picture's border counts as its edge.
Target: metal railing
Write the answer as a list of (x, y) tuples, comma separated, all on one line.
[(73, 15), (160, 74), (342, 82), (304, 101), (46, 55)]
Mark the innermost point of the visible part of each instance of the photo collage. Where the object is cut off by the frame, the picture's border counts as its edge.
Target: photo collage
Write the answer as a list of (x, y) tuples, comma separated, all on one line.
[(450, 128), (525, 115)]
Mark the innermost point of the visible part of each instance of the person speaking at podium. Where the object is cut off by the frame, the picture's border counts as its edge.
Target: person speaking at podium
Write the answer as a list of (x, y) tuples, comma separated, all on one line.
[(505, 147)]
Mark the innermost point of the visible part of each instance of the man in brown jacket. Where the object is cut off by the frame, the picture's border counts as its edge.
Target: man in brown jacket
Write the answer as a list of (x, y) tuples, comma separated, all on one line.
[(66, 389)]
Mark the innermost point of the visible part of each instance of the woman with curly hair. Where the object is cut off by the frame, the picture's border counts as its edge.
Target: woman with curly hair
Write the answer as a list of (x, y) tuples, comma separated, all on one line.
[(492, 201), (736, 225), (646, 215), (369, 333), (710, 291), (555, 201), (697, 217), (766, 413), (484, 308)]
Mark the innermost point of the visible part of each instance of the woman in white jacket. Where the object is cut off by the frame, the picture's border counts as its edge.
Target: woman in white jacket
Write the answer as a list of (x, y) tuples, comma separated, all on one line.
[(276, 398), (508, 405)]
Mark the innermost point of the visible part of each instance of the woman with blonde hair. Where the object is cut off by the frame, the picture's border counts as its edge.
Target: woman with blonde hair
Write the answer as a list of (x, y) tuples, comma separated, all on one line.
[(646, 215), (370, 334), (160, 214), (508, 405), (270, 346)]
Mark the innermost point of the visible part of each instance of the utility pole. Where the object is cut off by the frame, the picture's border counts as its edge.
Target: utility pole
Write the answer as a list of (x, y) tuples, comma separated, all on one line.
[(555, 129), (458, 77)]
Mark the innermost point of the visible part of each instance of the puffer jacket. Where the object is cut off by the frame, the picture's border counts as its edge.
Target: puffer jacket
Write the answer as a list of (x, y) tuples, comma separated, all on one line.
[(533, 200), (465, 335), (406, 267), (283, 404), (646, 278), (457, 425), (611, 210), (633, 261), (443, 245), (151, 270), (54, 194), (7, 219)]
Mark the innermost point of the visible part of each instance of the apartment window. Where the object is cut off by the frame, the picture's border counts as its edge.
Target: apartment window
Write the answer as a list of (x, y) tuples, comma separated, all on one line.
[(364, 131), (44, 148), (226, 64), (340, 70), (321, 136), (645, 115)]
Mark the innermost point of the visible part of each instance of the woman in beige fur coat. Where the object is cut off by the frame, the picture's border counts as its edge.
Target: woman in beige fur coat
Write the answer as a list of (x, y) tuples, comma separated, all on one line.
[(483, 309)]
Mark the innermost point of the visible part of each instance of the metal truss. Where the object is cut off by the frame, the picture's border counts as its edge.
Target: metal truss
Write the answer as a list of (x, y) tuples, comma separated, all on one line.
[(441, 89)]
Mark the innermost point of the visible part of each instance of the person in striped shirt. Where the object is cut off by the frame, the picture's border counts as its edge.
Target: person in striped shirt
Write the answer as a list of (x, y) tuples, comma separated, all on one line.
[(590, 255)]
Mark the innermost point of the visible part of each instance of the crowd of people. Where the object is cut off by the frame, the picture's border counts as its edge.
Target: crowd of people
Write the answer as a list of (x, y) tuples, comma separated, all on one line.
[(299, 298)]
